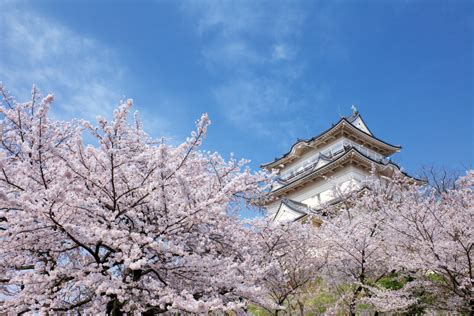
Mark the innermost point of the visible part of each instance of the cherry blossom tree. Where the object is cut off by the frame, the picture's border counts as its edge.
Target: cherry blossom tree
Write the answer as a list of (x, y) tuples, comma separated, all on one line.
[(291, 256), (399, 227), (130, 225), (441, 179), (434, 238), (358, 257)]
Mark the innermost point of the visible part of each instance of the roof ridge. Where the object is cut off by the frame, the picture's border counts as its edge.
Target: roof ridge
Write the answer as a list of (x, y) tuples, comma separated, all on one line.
[(326, 131)]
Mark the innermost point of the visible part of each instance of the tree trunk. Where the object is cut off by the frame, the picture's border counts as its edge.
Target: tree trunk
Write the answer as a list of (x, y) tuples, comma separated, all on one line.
[(301, 307), (114, 308), (352, 308), (352, 305)]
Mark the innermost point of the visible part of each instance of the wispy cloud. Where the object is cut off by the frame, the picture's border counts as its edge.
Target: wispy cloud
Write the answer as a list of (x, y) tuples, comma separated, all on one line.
[(283, 52), (249, 99), (85, 75), (253, 47), (247, 32)]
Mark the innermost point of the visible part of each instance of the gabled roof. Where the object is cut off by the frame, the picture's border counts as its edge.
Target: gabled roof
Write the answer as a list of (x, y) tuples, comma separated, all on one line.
[(300, 208), (344, 122), (295, 206), (356, 119)]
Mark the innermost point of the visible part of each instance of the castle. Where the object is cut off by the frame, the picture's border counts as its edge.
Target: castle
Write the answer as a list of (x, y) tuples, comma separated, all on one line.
[(340, 157)]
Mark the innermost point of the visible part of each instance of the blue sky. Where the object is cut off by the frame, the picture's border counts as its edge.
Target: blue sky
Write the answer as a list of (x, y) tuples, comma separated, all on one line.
[(267, 72)]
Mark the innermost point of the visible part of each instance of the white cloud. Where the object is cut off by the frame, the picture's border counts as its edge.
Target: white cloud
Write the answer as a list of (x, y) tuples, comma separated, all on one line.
[(231, 54), (283, 52), (85, 75), (253, 47), (246, 31), (255, 98)]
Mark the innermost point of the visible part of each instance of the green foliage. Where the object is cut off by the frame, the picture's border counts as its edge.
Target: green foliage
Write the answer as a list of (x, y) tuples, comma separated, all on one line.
[(257, 311), (319, 297), (434, 277), (392, 282), (320, 302), (364, 308)]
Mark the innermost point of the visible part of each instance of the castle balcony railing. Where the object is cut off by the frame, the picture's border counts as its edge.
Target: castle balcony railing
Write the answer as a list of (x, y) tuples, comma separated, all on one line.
[(328, 155)]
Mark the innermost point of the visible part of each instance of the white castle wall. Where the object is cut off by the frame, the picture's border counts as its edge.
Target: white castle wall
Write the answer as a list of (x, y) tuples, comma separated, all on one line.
[(345, 179), (331, 148), (322, 191)]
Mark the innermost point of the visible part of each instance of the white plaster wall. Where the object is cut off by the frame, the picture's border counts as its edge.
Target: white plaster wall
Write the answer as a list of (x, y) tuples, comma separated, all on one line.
[(300, 162), (349, 178), (345, 179)]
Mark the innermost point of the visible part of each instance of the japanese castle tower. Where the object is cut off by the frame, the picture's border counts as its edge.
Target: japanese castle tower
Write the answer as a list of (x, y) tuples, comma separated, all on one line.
[(340, 157)]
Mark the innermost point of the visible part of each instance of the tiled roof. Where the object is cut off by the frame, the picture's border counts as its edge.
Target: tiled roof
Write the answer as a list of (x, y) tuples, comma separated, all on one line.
[(304, 209), (350, 119), (346, 151), (296, 206)]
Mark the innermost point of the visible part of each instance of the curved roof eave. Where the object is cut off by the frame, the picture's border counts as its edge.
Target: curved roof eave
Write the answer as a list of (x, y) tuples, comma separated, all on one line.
[(306, 142), (352, 150), (285, 202)]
